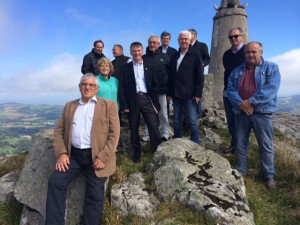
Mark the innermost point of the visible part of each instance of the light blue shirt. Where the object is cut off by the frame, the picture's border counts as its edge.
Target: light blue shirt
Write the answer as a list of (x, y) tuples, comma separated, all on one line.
[(82, 124), (139, 77)]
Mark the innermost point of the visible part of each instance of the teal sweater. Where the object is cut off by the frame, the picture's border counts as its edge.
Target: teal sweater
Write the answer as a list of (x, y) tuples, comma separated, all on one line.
[(108, 89)]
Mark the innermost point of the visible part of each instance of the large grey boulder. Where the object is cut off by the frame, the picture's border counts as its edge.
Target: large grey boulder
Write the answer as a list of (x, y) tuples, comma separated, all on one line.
[(8, 184), (130, 197), (197, 177), (31, 189)]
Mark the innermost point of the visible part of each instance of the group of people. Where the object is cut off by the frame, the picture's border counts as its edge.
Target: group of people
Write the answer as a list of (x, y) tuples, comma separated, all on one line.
[(87, 134)]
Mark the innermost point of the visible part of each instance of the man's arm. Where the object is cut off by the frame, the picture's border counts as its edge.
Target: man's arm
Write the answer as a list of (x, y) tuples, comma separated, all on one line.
[(59, 147), (112, 141), (122, 90), (86, 64)]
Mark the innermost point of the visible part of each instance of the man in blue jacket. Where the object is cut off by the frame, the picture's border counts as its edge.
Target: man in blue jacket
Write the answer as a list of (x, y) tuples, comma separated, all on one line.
[(252, 90)]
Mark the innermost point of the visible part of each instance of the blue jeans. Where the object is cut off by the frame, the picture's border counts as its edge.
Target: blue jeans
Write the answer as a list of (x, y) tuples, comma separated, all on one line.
[(262, 126), (191, 108), (230, 119)]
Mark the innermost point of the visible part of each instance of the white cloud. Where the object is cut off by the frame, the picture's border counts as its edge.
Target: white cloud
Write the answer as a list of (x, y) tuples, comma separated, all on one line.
[(289, 66), (59, 80)]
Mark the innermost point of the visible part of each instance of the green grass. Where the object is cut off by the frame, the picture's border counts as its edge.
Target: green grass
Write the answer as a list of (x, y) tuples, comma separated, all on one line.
[(10, 214), (280, 206), (14, 163)]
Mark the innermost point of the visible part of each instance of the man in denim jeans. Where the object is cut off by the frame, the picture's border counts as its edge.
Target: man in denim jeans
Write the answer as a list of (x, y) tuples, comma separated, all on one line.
[(252, 90)]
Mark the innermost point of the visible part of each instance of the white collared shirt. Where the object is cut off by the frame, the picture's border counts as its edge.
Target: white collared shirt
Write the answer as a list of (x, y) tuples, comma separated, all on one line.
[(164, 49), (238, 48), (82, 124), (139, 77), (179, 60)]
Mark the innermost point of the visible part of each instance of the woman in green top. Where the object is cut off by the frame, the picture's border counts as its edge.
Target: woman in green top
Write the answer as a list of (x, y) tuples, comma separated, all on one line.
[(108, 85)]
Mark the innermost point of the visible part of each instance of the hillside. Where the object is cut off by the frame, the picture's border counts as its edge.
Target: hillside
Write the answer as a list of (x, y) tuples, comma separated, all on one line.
[(18, 122), (290, 105)]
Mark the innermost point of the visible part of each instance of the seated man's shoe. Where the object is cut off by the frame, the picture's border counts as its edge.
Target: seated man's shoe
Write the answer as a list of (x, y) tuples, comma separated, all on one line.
[(145, 138), (163, 139), (271, 183), (228, 150)]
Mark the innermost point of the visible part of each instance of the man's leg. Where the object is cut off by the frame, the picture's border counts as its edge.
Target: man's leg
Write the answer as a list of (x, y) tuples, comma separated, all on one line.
[(191, 109), (94, 197), (152, 121), (163, 117), (263, 130), (242, 132), (177, 119), (134, 122), (230, 119), (57, 193)]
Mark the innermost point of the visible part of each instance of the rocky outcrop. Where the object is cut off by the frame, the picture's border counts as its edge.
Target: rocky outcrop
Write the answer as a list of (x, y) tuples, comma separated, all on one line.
[(7, 186), (131, 197), (31, 188), (199, 178)]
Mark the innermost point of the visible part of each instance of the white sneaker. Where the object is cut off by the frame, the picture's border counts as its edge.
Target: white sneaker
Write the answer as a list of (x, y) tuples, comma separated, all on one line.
[(145, 138)]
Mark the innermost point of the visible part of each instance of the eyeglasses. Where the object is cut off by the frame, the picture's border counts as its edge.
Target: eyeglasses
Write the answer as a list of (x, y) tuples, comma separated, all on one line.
[(234, 36), (88, 85), (152, 42)]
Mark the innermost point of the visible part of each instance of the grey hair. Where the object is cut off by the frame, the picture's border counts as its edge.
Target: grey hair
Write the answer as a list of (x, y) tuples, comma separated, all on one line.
[(87, 76), (154, 37), (237, 28), (186, 32), (261, 48)]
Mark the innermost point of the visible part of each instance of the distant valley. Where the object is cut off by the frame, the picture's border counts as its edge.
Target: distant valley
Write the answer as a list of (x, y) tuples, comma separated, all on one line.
[(18, 122), (289, 105)]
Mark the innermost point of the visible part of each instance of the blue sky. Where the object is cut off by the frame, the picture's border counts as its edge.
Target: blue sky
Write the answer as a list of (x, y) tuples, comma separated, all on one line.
[(43, 42)]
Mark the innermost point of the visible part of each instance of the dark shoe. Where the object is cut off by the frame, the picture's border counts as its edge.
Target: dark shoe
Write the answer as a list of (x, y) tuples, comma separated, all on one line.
[(227, 150), (271, 183), (163, 139), (136, 156)]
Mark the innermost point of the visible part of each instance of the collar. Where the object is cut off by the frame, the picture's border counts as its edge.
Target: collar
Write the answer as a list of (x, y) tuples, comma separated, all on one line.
[(94, 99)]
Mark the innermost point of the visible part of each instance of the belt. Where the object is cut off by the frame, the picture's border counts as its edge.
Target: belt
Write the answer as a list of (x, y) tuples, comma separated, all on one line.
[(81, 149), (141, 93)]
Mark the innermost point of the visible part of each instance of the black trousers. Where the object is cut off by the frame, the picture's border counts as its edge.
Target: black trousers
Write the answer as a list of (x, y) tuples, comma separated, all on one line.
[(151, 119), (80, 160)]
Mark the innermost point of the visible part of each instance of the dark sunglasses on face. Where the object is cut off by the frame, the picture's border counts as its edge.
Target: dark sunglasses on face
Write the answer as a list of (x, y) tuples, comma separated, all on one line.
[(234, 36)]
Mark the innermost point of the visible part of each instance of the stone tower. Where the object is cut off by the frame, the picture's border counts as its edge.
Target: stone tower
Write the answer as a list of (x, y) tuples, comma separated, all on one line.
[(229, 15)]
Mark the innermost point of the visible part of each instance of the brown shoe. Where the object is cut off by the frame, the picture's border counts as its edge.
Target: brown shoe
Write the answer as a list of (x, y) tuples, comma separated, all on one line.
[(271, 183), (228, 150)]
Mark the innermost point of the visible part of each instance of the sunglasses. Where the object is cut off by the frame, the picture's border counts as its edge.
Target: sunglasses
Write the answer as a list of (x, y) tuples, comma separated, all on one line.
[(234, 36)]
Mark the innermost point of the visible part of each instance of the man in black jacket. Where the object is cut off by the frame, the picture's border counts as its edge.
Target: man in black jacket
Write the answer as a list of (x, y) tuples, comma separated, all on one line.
[(232, 58), (186, 85), (165, 41), (200, 46), (160, 62), (119, 61), (90, 60), (138, 91)]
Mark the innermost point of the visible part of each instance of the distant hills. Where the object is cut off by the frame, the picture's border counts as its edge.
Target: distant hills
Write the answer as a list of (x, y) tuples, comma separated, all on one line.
[(289, 105)]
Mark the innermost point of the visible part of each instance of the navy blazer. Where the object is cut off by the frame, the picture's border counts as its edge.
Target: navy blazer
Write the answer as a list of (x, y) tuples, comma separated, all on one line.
[(186, 82), (127, 86), (170, 51), (203, 49)]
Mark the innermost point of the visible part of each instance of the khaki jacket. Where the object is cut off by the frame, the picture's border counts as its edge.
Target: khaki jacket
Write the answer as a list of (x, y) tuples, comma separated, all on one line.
[(105, 133)]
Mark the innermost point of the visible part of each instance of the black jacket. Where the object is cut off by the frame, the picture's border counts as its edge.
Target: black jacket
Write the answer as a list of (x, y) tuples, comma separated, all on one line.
[(90, 61), (170, 51), (188, 81), (127, 86), (160, 62), (231, 61), (203, 49), (118, 62)]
